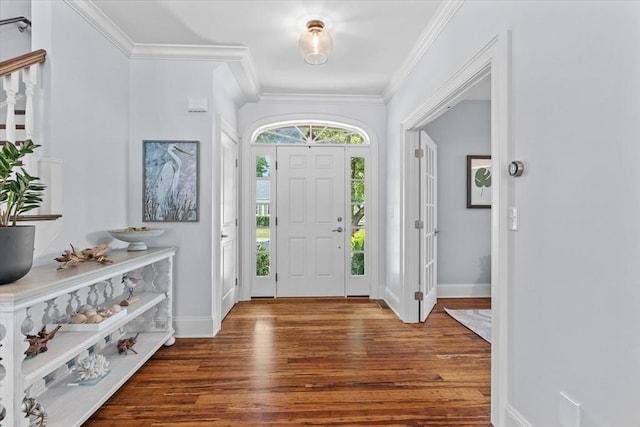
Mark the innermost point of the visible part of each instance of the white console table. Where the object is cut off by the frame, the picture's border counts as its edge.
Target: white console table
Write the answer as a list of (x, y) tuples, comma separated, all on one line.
[(44, 295)]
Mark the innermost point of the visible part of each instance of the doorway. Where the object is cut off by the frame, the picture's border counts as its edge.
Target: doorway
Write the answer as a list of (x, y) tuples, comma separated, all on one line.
[(310, 209), (492, 60)]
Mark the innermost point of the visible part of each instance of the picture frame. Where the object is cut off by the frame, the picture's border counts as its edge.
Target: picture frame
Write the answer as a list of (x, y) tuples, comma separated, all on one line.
[(170, 181), (479, 173)]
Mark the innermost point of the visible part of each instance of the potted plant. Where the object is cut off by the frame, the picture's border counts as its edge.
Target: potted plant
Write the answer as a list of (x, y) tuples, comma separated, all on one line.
[(19, 193)]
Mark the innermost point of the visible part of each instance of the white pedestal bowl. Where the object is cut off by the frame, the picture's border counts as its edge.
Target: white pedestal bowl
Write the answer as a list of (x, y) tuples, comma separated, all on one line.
[(136, 239)]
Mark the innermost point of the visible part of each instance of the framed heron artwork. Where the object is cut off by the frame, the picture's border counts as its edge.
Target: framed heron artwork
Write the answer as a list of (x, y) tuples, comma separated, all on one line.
[(170, 181)]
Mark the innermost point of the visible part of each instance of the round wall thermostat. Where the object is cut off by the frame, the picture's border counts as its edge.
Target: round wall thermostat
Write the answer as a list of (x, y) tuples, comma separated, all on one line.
[(516, 168)]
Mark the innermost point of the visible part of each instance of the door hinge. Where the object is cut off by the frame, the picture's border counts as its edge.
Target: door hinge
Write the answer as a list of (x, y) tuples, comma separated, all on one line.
[(236, 281), (236, 162), (419, 153), (419, 224), (276, 277), (236, 222), (418, 296), (276, 221), (276, 165)]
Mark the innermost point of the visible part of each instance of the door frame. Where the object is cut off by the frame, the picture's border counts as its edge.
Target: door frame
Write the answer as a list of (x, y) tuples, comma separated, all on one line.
[(375, 257), (493, 59)]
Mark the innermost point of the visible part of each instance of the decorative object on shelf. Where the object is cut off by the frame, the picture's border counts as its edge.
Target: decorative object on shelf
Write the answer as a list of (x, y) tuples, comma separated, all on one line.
[(19, 193), (479, 181), (170, 186), (69, 258), (38, 343), (88, 318), (130, 283), (136, 236), (127, 344), (91, 370), (35, 412)]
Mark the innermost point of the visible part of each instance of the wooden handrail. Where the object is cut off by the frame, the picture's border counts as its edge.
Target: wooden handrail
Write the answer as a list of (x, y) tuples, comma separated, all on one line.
[(22, 61)]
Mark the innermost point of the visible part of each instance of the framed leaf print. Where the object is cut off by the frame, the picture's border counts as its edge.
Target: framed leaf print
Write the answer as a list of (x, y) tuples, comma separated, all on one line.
[(479, 173)]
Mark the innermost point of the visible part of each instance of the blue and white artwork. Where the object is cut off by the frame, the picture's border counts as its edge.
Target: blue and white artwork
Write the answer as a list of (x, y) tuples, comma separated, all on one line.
[(170, 192)]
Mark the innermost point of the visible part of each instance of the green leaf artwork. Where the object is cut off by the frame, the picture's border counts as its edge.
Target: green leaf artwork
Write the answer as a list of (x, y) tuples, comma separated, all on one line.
[(483, 178)]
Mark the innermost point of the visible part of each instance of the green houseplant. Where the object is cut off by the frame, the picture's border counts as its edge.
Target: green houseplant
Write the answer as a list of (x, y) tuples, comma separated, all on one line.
[(20, 192)]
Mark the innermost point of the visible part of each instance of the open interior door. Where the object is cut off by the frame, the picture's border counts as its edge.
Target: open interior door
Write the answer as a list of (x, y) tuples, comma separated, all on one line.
[(428, 227), (229, 223)]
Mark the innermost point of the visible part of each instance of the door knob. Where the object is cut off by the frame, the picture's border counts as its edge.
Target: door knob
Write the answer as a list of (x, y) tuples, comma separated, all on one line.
[(338, 230), (223, 236)]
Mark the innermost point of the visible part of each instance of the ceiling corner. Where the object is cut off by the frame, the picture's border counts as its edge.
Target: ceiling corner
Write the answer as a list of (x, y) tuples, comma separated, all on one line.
[(94, 16), (436, 25)]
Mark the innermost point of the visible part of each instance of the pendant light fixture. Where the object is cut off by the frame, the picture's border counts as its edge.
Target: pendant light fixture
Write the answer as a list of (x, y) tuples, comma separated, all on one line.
[(315, 43)]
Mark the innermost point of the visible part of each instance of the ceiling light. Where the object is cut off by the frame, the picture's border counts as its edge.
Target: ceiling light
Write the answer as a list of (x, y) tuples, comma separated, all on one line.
[(315, 43)]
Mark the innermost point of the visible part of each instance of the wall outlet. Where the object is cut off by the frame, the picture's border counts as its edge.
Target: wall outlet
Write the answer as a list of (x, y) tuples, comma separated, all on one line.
[(568, 411)]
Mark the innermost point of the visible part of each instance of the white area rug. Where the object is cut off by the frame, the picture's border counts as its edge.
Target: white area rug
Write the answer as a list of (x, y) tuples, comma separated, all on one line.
[(479, 321)]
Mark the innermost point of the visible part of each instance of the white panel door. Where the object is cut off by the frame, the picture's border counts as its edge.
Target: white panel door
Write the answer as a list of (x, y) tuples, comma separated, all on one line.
[(429, 217), (228, 226), (310, 221)]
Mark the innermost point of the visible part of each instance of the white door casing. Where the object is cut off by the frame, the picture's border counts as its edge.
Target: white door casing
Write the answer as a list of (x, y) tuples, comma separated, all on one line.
[(228, 223), (310, 221), (428, 171)]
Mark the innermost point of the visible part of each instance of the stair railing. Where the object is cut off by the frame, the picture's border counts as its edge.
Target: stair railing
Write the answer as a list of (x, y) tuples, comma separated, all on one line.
[(11, 71)]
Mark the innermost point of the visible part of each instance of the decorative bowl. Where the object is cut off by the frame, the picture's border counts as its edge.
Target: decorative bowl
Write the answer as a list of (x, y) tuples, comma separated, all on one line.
[(136, 237)]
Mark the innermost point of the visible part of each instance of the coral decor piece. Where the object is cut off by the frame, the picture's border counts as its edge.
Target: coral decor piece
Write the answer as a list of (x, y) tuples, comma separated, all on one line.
[(92, 367), (38, 343), (70, 257)]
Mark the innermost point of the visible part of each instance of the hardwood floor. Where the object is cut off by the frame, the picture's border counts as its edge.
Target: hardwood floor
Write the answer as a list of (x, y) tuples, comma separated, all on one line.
[(324, 362)]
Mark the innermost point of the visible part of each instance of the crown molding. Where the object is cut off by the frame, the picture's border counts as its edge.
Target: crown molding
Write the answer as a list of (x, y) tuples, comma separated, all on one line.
[(445, 12), (322, 98), (105, 26), (237, 57)]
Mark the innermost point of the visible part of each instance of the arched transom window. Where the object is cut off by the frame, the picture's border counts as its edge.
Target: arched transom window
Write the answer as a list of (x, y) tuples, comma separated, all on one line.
[(310, 133)]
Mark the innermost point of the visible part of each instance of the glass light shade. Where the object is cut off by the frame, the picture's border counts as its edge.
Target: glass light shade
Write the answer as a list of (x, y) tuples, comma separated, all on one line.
[(315, 43)]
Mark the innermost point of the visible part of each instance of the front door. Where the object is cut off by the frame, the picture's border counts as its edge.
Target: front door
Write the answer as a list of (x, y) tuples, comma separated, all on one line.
[(429, 222), (310, 221)]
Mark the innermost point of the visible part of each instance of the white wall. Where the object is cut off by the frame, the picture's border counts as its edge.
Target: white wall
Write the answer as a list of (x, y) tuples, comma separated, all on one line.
[(573, 313), (464, 241), (85, 92), (159, 100), (12, 42)]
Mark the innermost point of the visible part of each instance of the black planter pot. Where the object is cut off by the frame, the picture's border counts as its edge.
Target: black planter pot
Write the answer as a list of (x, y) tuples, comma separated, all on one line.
[(16, 252)]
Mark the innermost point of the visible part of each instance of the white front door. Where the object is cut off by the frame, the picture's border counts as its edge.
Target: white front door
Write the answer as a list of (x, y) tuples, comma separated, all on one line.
[(429, 218), (310, 221), (228, 226)]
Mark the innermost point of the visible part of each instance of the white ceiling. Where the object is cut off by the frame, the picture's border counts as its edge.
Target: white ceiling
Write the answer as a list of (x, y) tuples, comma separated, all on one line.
[(374, 41)]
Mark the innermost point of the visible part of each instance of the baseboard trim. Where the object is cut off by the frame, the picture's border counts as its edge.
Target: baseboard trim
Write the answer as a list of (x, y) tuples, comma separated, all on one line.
[(393, 302), (515, 418), (194, 327), (464, 290)]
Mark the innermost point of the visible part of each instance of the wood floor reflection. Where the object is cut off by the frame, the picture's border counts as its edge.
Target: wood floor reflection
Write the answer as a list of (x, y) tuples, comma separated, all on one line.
[(323, 362)]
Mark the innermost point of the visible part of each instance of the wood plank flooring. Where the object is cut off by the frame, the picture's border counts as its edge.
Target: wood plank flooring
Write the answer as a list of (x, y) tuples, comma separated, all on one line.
[(325, 362)]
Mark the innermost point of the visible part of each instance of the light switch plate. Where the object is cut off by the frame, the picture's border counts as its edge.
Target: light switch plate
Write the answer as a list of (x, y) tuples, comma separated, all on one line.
[(513, 218)]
